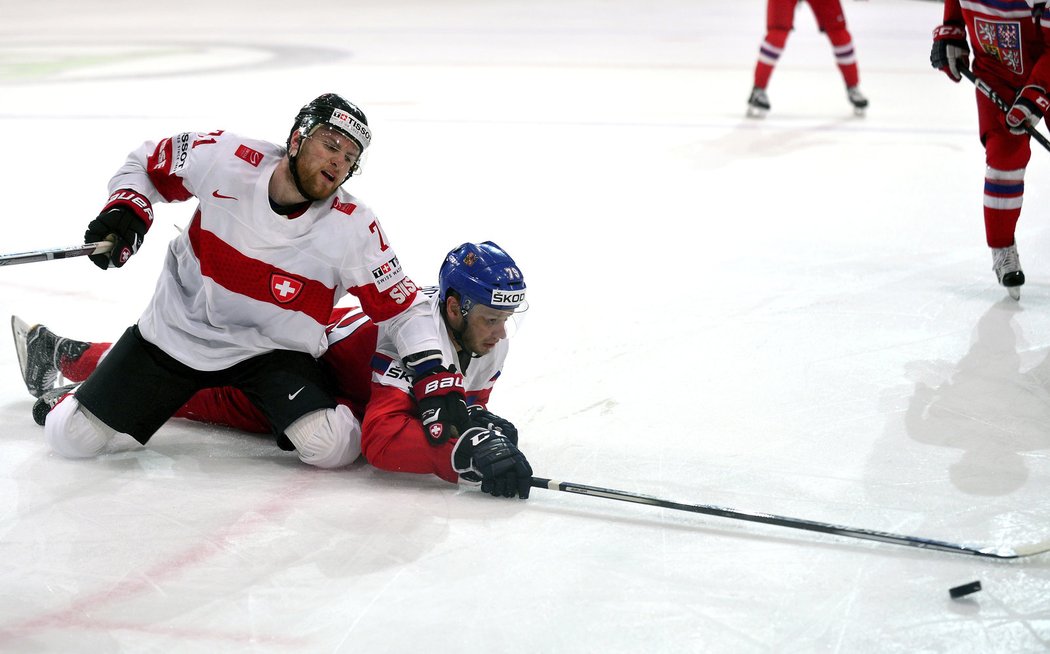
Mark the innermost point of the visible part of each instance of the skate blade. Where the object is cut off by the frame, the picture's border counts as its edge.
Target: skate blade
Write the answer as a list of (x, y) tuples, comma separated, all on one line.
[(756, 112), (20, 331), (860, 112), (1014, 291)]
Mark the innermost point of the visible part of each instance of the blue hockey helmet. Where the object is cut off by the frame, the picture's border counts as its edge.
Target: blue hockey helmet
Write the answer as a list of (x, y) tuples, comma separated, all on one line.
[(482, 273)]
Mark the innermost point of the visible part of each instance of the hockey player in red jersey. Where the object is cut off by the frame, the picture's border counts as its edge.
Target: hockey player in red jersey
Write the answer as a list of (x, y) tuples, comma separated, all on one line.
[(780, 20), (1008, 38), (248, 287), (480, 288)]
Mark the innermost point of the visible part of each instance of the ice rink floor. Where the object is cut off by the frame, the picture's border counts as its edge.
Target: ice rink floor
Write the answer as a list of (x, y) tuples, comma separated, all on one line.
[(795, 315)]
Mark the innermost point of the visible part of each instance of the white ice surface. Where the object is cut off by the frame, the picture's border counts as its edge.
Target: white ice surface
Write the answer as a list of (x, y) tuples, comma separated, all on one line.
[(795, 316)]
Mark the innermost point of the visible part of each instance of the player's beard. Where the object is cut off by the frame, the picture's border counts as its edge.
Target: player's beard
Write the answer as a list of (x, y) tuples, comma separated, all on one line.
[(313, 183), (474, 344)]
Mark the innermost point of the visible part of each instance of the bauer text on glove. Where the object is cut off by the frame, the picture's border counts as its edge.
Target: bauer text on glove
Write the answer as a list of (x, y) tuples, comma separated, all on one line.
[(124, 221), (442, 402)]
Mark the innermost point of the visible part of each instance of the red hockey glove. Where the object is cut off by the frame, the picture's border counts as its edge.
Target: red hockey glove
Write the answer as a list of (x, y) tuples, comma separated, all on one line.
[(1027, 110), (490, 456), (950, 53), (442, 404), (124, 220)]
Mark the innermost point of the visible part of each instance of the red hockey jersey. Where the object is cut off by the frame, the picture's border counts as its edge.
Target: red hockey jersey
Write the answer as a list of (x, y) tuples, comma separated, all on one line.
[(1008, 39)]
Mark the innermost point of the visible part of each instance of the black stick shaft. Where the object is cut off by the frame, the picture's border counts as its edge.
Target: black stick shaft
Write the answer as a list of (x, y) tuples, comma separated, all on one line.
[(793, 523), (55, 253), (983, 87)]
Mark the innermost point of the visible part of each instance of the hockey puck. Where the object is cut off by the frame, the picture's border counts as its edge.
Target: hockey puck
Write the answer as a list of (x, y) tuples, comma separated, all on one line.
[(964, 590)]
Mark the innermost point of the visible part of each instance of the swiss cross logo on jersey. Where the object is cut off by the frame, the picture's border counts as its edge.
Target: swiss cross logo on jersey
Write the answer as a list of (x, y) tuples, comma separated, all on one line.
[(251, 156), (285, 288), (1001, 40)]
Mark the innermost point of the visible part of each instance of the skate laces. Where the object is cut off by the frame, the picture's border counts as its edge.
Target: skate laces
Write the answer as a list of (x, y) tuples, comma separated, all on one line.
[(856, 97), (1006, 261), (759, 98)]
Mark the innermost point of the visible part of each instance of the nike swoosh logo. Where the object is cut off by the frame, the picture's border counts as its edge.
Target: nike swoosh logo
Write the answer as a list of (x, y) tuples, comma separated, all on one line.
[(216, 194), (291, 396)]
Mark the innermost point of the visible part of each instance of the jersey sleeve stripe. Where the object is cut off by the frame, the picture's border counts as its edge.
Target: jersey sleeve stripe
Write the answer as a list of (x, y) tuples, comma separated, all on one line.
[(158, 168)]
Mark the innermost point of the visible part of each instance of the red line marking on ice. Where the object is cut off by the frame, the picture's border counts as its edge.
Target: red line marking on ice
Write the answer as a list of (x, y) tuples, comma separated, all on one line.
[(77, 614)]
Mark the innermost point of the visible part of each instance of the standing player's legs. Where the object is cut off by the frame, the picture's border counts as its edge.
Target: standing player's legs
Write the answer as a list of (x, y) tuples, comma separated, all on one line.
[(1006, 157), (780, 17), (832, 21)]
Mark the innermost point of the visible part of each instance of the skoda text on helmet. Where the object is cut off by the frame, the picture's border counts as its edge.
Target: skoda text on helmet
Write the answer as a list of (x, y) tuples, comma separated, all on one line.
[(332, 111), (482, 273)]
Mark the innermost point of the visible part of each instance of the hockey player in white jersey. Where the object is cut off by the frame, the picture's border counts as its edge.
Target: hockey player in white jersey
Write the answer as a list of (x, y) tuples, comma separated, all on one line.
[(481, 289), (247, 289)]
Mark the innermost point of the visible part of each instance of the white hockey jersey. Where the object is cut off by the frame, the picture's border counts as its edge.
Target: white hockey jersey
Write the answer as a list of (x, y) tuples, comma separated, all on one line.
[(242, 280), (480, 376)]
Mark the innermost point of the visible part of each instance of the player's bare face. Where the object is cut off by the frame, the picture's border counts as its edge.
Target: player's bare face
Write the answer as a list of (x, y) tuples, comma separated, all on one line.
[(485, 328), (324, 159)]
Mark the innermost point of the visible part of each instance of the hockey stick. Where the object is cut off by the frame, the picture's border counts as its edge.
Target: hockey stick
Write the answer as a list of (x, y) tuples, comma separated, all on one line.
[(57, 253), (983, 87), (796, 523)]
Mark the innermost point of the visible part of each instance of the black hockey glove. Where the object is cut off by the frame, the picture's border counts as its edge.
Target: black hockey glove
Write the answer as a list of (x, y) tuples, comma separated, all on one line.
[(124, 221), (482, 417), (439, 392), (950, 54), (499, 463)]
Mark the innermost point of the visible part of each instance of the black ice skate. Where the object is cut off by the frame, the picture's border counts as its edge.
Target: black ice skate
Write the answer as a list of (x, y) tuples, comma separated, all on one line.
[(758, 103), (857, 99), (39, 351), (1007, 267), (48, 400)]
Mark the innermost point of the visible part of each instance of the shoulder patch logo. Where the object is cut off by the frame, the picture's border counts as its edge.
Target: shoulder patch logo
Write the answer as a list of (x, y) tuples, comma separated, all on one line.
[(345, 207), (284, 288), (180, 151), (251, 156), (387, 274)]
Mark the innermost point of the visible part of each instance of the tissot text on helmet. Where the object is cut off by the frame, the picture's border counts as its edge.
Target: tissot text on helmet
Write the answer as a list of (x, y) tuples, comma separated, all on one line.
[(355, 128)]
